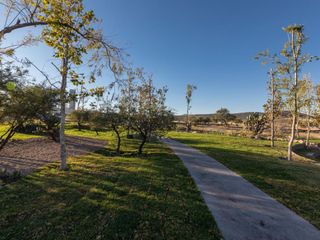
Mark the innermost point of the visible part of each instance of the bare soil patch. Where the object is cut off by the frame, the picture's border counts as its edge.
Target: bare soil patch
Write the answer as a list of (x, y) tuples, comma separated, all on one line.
[(26, 156)]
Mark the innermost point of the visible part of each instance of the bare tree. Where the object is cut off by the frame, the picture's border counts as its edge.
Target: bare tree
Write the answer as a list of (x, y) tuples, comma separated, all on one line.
[(273, 106)]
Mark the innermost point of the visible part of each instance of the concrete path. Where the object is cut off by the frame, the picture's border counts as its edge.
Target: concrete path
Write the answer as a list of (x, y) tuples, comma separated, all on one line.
[(241, 210)]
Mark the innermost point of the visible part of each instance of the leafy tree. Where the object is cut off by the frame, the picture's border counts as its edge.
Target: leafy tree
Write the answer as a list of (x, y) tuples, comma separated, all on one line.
[(274, 104), (97, 121), (273, 107), (24, 103), (127, 100), (47, 100), (117, 123), (10, 99), (80, 117), (189, 93), (308, 102), (202, 120), (256, 123), (289, 69), (151, 116), (70, 31), (224, 115)]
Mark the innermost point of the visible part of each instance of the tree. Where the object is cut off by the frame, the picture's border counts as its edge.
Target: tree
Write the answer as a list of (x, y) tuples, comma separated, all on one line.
[(12, 111), (308, 102), (273, 107), (47, 100), (116, 122), (69, 31), (97, 120), (24, 103), (80, 117), (224, 115), (317, 105), (289, 69), (127, 100), (202, 120), (151, 116), (189, 93), (274, 104), (256, 123)]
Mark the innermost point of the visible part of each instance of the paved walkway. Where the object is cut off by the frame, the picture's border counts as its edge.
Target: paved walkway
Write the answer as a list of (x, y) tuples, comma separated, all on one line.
[(241, 210)]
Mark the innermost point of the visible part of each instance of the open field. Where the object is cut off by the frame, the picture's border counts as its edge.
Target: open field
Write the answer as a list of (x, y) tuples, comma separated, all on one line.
[(295, 184), (104, 196)]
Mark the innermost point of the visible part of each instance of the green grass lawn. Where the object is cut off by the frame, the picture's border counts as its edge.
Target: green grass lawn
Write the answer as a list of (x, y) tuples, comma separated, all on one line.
[(17, 136), (295, 184), (104, 196)]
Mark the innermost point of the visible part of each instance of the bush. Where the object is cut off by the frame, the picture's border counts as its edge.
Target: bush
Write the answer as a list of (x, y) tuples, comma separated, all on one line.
[(256, 123), (29, 128), (7, 177)]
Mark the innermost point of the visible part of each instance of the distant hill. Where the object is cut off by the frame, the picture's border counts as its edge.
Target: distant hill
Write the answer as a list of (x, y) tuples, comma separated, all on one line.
[(241, 116)]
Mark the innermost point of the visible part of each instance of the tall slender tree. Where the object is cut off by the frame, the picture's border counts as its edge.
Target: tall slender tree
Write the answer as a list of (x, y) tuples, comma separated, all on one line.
[(274, 103), (189, 93), (290, 69), (273, 106)]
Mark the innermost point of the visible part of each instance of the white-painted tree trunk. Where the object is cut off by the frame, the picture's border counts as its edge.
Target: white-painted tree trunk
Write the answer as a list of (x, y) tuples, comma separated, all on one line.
[(272, 109), (295, 106), (308, 130), (63, 149)]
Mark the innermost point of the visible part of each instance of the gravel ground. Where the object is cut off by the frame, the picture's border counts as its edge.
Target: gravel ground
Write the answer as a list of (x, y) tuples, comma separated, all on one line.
[(28, 155)]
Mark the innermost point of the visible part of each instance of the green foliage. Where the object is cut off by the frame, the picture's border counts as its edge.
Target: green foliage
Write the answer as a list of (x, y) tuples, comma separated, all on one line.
[(80, 117), (151, 117), (256, 123), (97, 121), (189, 93), (223, 115), (25, 105), (202, 120)]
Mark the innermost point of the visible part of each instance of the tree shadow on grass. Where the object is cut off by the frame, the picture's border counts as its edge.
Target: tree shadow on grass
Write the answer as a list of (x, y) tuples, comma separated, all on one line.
[(107, 197)]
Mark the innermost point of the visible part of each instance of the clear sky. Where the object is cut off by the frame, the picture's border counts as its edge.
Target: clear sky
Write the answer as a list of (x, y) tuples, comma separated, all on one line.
[(208, 43)]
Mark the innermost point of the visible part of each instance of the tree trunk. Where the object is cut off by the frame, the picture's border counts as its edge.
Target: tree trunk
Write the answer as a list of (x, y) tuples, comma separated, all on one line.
[(187, 125), (63, 149), (144, 139), (118, 139), (272, 132), (297, 128), (295, 110), (79, 126), (272, 109), (293, 133), (308, 131), (10, 134)]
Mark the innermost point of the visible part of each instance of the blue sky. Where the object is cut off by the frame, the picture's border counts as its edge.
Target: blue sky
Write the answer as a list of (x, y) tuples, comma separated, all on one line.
[(208, 43)]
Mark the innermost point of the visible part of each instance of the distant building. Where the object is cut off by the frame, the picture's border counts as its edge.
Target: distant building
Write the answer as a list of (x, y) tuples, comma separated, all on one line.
[(71, 106)]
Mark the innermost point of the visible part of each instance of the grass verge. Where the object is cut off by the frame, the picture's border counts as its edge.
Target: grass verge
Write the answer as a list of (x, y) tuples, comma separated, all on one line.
[(108, 197), (295, 184)]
